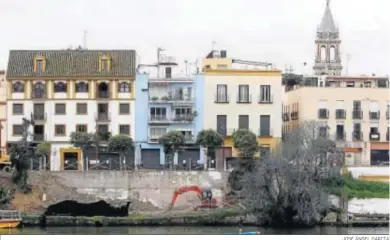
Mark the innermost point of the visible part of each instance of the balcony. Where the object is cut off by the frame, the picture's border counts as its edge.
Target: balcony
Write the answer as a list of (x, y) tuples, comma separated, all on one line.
[(153, 139), (265, 132), (102, 117), (375, 136), (387, 136), (39, 116), (247, 99), (341, 136), (221, 98), (357, 114), (39, 137), (294, 115), (340, 114), (265, 100), (102, 94), (357, 136), (184, 118), (387, 115), (323, 113), (38, 95), (176, 99), (158, 118), (374, 115), (285, 117)]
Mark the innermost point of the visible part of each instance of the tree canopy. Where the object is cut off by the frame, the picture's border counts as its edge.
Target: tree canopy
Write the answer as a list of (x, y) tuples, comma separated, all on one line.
[(82, 140), (120, 143), (43, 149), (245, 142), (172, 142), (209, 139)]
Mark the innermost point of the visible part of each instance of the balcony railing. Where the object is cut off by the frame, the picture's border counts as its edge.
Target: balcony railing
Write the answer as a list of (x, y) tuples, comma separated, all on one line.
[(103, 117), (387, 115), (294, 115), (38, 95), (375, 136), (357, 136), (375, 115), (285, 117), (178, 98), (340, 114), (357, 114), (39, 137), (341, 136), (265, 132), (39, 116), (244, 99), (102, 94), (183, 118), (323, 113), (158, 118), (222, 99), (387, 136), (262, 99)]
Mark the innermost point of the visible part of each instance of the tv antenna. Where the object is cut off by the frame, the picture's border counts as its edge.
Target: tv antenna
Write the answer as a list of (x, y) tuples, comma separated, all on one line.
[(85, 39)]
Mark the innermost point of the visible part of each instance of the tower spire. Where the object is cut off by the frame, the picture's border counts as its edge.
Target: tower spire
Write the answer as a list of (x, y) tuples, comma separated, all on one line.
[(327, 3)]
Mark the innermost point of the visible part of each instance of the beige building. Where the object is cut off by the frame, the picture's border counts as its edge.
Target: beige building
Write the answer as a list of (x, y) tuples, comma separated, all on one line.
[(355, 110), (242, 97), (3, 111)]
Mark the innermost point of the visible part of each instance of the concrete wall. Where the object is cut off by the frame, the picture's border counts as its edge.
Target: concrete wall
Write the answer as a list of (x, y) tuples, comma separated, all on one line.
[(154, 187), (370, 206), (370, 173)]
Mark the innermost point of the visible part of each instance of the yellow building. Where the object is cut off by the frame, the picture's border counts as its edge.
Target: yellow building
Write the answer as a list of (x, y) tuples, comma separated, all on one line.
[(241, 98), (75, 90)]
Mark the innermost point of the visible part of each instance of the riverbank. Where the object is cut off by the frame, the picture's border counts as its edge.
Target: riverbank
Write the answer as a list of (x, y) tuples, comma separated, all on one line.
[(204, 218)]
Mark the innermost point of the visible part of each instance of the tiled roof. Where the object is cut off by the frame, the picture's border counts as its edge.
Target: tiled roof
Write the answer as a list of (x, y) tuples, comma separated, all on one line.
[(71, 63)]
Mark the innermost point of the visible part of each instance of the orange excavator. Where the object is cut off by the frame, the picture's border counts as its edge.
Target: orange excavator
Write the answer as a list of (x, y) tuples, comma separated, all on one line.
[(205, 196)]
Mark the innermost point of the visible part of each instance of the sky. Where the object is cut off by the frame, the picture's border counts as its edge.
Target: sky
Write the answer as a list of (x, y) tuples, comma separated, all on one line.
[(277, 31)]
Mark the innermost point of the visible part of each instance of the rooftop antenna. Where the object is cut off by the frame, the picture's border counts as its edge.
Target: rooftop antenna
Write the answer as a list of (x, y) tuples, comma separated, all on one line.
[(186, 63), (159, 50), (85, 39)]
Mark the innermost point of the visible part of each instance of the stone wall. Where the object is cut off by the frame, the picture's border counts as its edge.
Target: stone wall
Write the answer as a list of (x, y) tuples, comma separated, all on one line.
[(154, 187)]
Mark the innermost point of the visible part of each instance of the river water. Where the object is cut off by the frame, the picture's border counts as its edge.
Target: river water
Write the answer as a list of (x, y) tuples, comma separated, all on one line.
[(194, 230)]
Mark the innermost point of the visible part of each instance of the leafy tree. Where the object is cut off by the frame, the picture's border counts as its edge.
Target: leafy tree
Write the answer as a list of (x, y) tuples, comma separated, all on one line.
[(172, 142), (84, 141), (20, 155), (43, 151), (245, 142), (209, 140), (5, 197), (288, 188), (121, 144)]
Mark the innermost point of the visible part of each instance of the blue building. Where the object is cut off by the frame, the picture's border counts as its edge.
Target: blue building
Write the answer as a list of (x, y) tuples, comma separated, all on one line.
[(166, 102)]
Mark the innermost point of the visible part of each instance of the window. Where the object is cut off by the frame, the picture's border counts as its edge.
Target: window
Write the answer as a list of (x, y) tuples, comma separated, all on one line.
[(59, 130), (340, 134), (183, 112), (189, 93), (124, 129), (104, 65), (17, 109), (265, 125), (157, 132), (323, 131), (222, 96), (81, 108), (243, 93), (124, 87), (39, 65), (168, 72), (243, 121), (60, 87), (350, 84), (367, 84), (81, 128), (222, 124), (158, 113), (18, 87), (60, 109), (81, 87), (39, 90), (265, 93), (124, 108), (357, 105), (17, 130)]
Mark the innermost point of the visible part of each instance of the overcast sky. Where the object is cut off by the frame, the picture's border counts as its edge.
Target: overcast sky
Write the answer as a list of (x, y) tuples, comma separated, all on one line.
[(279, 31)]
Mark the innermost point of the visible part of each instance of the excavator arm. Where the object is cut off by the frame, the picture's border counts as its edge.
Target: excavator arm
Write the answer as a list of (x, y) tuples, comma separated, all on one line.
[(182, 190)]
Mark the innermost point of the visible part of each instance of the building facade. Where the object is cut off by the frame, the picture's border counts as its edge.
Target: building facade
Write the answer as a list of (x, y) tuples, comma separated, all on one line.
[(236, 98), (3, 112), (354, 110), (165, 102), (65, 91)]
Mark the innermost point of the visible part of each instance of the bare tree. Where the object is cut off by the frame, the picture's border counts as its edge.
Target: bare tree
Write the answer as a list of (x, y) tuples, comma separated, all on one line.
[(287, 188)]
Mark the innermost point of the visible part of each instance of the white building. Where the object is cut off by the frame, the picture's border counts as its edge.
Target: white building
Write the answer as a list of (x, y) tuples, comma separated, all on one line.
[(67, 91)]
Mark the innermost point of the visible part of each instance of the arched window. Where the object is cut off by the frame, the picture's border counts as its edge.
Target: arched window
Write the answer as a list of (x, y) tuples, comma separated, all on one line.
[(39, 90), (103, 90), (124, 87), (332, 53), (81, 87), (18, 87), (59, 87), (323, 53)]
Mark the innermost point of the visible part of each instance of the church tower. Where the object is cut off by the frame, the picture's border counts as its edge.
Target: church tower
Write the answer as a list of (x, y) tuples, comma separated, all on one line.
[(327, 59)]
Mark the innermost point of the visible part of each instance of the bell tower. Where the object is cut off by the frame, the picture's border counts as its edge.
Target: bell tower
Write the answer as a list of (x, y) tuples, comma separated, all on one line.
[(327, 57)]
